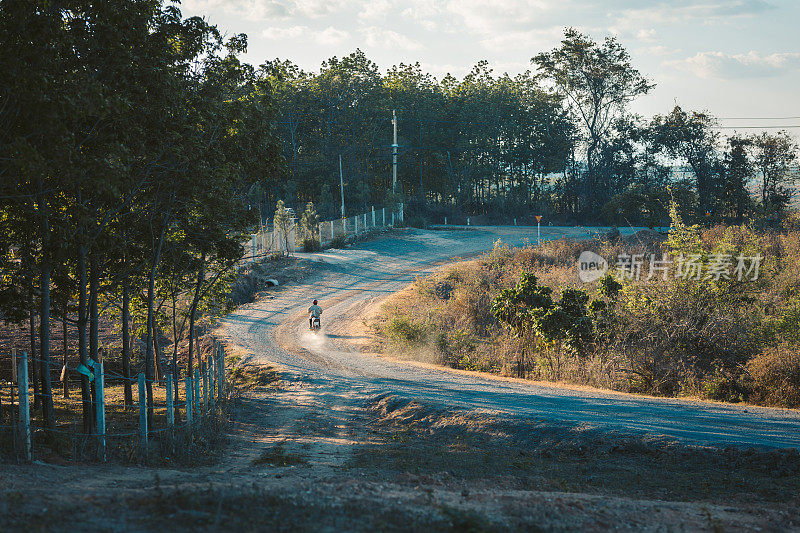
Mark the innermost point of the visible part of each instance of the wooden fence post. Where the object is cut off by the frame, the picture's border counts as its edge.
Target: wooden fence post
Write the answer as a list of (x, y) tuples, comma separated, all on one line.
[(221, 373), (189, 414), (170, 406), (196, 392), (100, 402), (212, 368), (24, 406), (204, 368), (143, 414)]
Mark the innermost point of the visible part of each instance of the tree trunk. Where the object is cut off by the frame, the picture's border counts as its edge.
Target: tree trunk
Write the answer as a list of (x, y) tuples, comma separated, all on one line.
[(126, 343), (192, 312), (94, 322), (86, 400), (44, 332), (34, 366), (158, 359), (175, 352), (65, 373), (148, 353)]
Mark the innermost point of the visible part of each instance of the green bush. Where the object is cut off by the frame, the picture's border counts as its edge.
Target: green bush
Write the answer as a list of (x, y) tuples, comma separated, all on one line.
[(338, 242), (310, 244), (405, 331)]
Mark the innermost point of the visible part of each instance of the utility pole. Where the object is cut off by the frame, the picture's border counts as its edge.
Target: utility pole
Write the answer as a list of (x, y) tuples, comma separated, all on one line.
[(341, 183), (394, 153)]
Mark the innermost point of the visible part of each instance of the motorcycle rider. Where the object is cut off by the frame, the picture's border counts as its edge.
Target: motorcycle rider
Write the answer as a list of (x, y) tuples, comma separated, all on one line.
[(313, 312)]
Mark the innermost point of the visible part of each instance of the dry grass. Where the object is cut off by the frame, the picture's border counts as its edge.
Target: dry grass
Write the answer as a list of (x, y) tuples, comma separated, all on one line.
[(703, 339), (198, 445), (416, 440), (278, 456)]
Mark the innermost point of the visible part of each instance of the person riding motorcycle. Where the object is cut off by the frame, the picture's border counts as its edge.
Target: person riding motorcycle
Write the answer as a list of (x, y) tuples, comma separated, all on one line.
[(313, 312)]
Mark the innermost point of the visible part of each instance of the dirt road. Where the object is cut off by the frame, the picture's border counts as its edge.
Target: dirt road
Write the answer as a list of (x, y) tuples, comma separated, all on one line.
[(341, 440), (349, 282)]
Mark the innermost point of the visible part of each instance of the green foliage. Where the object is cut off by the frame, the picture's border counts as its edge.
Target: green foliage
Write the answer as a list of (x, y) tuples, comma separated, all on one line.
[(530, 307), (405, 331), (609, 287), (309, 223)]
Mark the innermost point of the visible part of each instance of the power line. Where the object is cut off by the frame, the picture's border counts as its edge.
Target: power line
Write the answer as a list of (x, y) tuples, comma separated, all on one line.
[(754, 127), (758, 118)]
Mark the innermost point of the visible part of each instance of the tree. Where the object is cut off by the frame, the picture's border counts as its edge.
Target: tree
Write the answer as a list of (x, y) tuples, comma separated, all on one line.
[(738, 170), (690, 138), (773, 156), (598, 81), (283, 224)]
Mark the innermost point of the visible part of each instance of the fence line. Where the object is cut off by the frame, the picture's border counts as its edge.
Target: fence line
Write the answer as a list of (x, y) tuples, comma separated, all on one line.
[(196, 406), (267, 241)]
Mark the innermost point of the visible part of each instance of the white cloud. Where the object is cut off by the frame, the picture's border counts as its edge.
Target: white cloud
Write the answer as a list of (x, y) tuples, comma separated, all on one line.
[(485, 18), (532, 41), (376, 10), (278, 34), (328, 36), (646, 35), (331, 36), (657, 51), (631, 19), (380, 37), (720, 65), (255, 10)]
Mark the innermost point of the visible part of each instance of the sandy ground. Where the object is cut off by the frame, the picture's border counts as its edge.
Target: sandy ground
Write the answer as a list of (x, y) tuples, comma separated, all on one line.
[(348, 441), (349, 283)]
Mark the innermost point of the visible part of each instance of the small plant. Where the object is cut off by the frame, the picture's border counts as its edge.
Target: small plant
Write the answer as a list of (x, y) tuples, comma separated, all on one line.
[(310, 245), (338, 242), (278, 456)]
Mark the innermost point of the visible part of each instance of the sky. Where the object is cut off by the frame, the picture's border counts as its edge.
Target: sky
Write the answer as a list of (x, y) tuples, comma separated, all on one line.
[(736, 59)]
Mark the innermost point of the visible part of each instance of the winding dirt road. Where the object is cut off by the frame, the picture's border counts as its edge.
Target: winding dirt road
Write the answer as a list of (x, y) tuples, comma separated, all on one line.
[(351, 282)]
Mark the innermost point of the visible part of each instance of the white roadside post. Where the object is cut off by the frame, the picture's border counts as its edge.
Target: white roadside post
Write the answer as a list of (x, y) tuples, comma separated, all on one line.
[(373, 216), (539, 229)]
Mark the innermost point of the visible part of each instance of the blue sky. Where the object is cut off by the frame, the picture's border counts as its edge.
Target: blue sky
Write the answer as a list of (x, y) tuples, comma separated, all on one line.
[(733, 58)]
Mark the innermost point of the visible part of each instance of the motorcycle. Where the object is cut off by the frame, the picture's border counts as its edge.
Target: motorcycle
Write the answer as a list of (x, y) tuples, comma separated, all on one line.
[(315, 325)]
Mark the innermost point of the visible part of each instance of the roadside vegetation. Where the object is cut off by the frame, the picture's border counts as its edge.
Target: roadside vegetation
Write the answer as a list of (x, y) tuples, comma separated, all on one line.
[(525, 313)]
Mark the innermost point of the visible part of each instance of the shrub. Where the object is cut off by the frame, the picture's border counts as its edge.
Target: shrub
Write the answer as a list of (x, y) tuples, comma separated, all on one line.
[(405, 331), (338, 242), (776, 376), (310, 244)]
